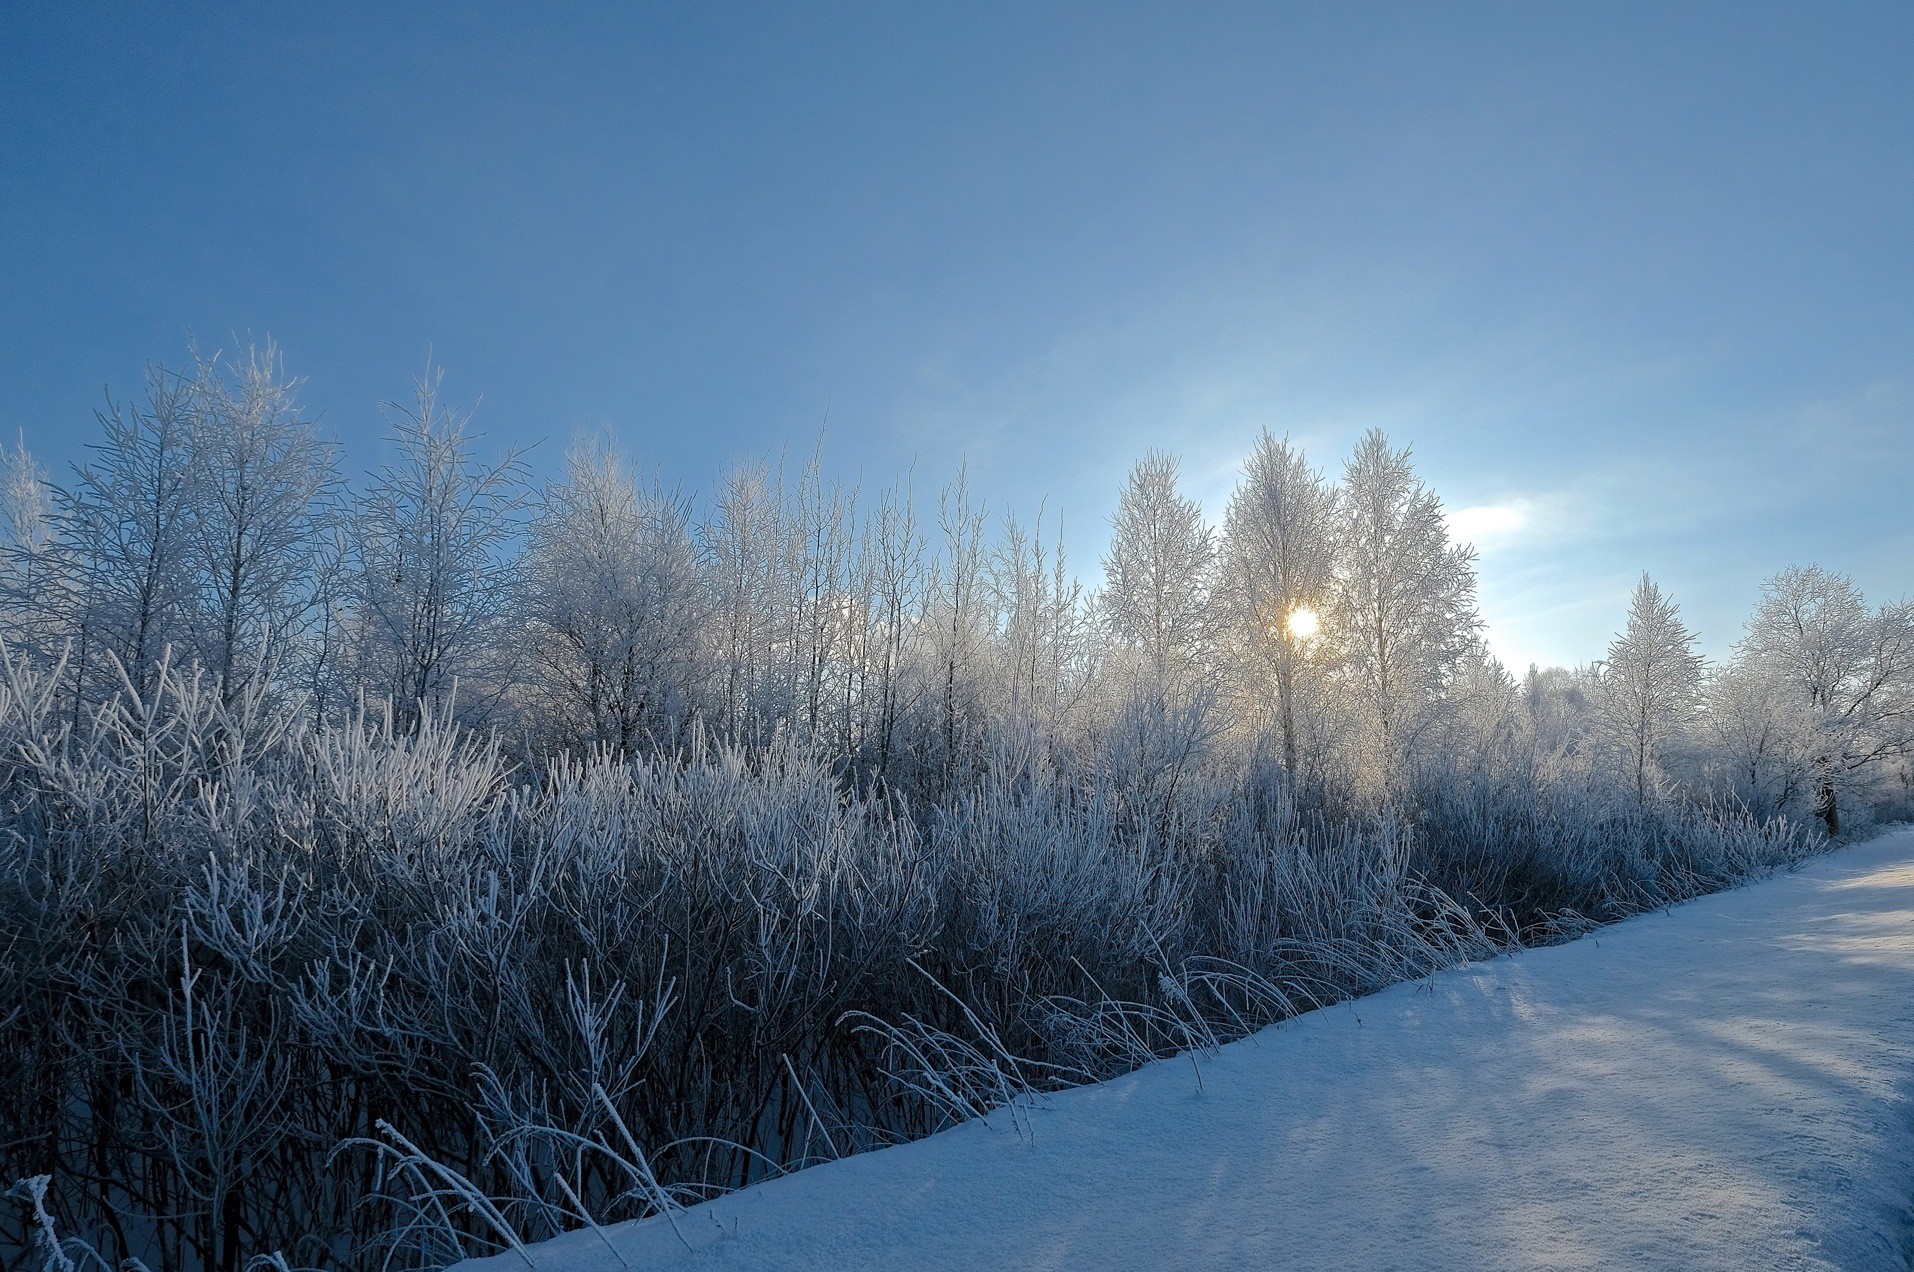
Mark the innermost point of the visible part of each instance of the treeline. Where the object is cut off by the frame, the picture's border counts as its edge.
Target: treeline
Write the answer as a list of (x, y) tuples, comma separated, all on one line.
[(214, 528), (402, 868)]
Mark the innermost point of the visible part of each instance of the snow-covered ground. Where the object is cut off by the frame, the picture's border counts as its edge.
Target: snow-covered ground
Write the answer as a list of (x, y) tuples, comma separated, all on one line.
[(1723, 1085)]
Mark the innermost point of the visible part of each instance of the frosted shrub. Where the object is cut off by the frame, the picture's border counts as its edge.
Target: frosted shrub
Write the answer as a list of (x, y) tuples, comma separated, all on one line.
[(231, 948), (1534, 854)]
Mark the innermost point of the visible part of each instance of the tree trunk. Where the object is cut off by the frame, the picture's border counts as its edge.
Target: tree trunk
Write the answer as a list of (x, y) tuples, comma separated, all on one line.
[(1285, 681), (1824, 807)]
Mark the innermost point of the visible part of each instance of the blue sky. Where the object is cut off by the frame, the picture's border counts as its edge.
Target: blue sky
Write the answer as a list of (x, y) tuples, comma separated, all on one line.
[(1635, 281)]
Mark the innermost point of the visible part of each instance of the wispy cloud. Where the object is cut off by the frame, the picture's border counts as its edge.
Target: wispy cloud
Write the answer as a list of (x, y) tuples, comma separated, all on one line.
[(1490, 526), (1516, 522)]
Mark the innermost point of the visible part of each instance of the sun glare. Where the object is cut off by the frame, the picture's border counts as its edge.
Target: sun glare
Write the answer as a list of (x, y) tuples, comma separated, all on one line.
[(1303, 624)]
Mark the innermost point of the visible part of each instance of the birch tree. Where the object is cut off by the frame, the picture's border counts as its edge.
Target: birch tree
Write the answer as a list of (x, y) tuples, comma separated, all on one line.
[(1649, 686), (1557, 705), (897, 557), (614, 604), (741, 549), (958, 624), (1401, 603), (430, 585), (264, 494), (1039, 622), (1157, 574), (1849, 668), (823, 612), (1278, 545), (33, 598), (125, 520), (1761, 737)]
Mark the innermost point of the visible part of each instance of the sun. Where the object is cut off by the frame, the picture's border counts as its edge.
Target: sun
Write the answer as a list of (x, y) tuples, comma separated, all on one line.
[(1303, 623)]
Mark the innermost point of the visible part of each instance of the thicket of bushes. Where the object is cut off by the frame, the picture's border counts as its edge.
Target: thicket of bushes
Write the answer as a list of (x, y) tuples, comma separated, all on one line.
[(233, 947)]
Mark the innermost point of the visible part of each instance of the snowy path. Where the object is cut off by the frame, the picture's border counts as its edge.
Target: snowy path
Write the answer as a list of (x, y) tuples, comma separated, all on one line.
[(1724, 1085)]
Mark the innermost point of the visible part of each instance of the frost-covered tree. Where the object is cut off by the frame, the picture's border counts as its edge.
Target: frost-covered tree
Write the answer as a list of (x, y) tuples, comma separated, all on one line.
[(822, 611), (1157, 573), (1278, 545), (1040, 629), (32, 599), (958, 635), (1649, 686), (897, 565), (741, 552), (1760, 737), (614, 603), (430, 586), (1558, 704), (1401, 604), (126, 522), (26, 508), (262, 501), (1486, 728), (1850, 670)]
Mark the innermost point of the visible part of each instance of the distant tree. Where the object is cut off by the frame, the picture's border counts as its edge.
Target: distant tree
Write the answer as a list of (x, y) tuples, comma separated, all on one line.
[(1157, 574), (1487, 733), (1278, 545), (614, 603), (1649, 685), (741, 552), (263, 498), (1401, 612), (1558, 704), (1040, 628), (1851, 671), (25, 505), (1761, 737), (823, 611), (430, 586), (897, 562), (958, 620), (126, 524), (32, 585)]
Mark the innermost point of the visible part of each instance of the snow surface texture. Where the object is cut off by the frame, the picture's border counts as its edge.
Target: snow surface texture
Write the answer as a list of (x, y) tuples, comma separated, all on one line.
[(1721, 1085)]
